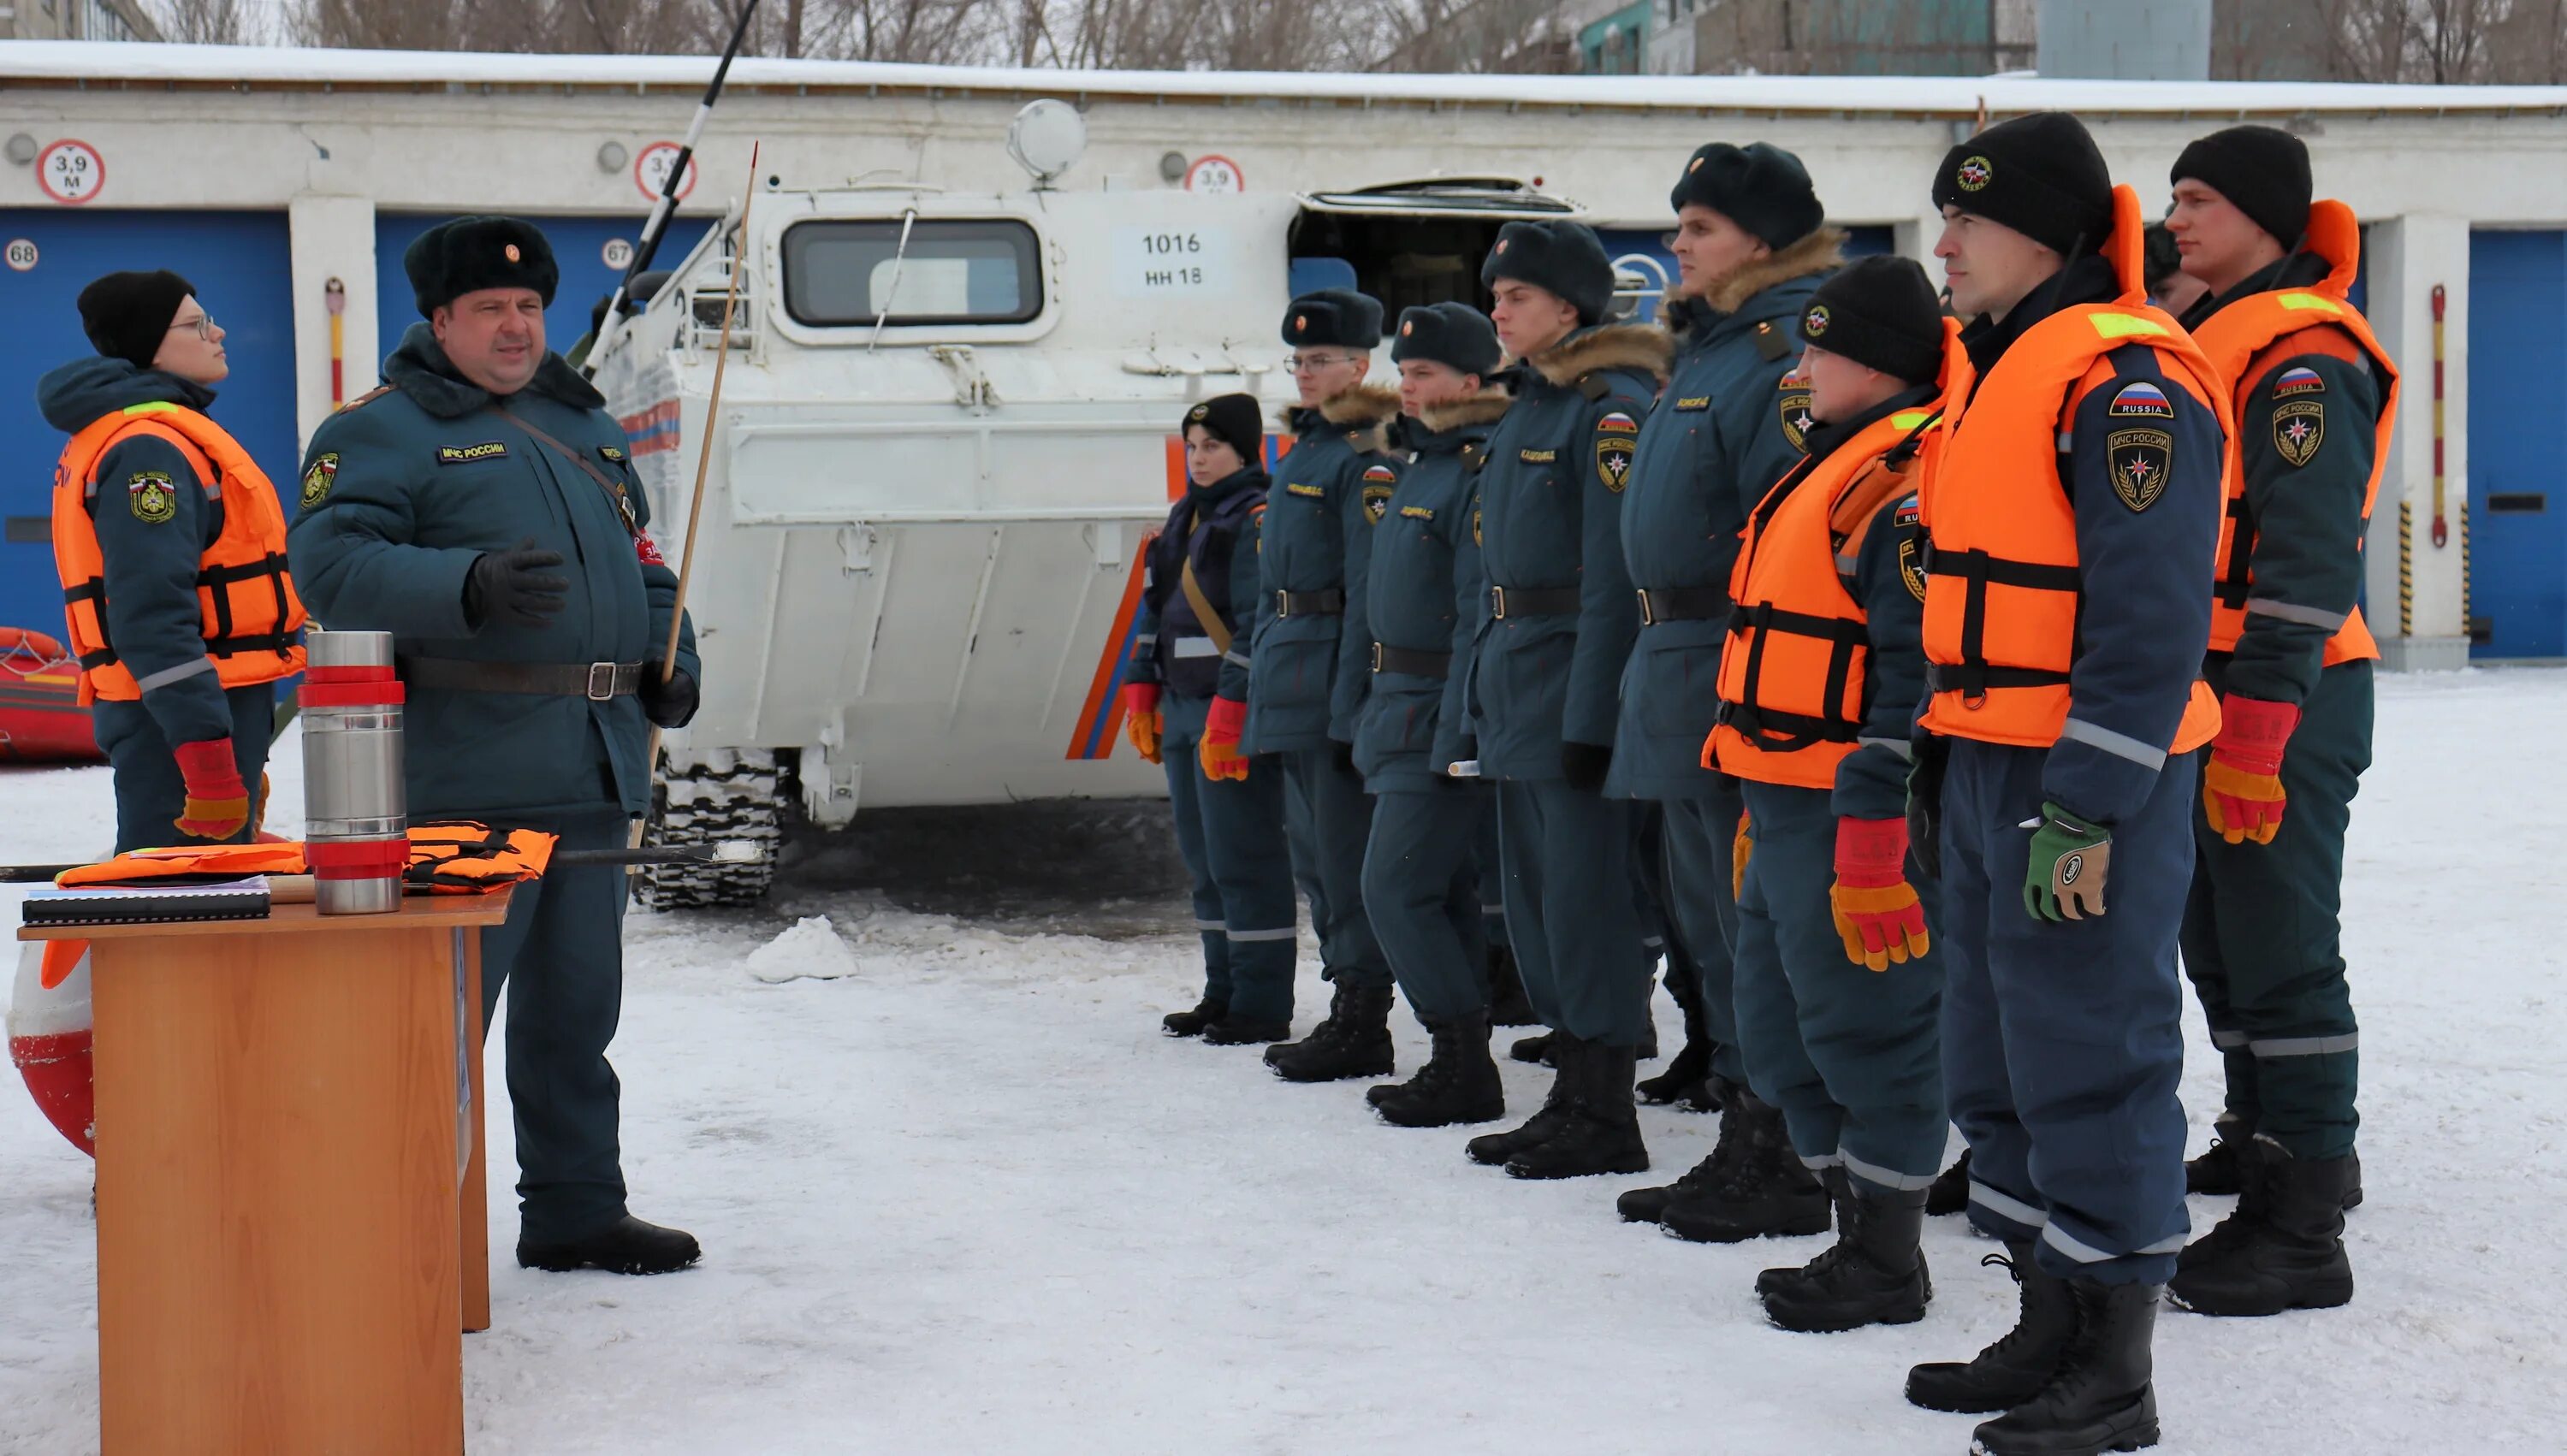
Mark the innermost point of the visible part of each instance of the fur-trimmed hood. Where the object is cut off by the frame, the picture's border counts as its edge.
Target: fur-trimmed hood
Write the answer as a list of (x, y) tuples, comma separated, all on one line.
[(1818, 254), (1366, 404), (1487, 406), (1644, 347)]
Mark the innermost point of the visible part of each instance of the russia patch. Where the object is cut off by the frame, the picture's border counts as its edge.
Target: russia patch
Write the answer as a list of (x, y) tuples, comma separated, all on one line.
[(1793, 379), (2142, 400), (1617, 423), (2301, 380)]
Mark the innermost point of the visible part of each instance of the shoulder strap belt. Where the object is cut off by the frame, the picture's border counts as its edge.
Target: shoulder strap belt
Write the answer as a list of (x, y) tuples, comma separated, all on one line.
[(1207, 616), (612, 487)]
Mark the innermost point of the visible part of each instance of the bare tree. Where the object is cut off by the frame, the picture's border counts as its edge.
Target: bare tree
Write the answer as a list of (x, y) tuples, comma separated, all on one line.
[(204, 22)]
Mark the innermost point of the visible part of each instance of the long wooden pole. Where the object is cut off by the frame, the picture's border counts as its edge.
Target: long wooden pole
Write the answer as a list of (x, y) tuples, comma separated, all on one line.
[(703, 465)]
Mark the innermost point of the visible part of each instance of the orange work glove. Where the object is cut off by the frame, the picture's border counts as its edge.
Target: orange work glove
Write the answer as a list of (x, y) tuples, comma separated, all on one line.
[(217, 801), (1141, 721), (1219, 750), (1740, 847), (2241, 785), (1876, 910)]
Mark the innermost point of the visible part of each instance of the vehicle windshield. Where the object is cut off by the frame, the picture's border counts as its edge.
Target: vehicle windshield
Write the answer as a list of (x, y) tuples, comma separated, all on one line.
[(846, 272)]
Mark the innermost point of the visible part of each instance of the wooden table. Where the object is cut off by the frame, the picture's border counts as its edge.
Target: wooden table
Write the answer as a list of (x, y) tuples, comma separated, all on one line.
[(292, 1224)]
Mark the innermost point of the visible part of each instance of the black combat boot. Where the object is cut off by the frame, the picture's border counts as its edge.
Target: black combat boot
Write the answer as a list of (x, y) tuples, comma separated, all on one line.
[(1876, 1273), (626, 1246), (1951, 1192), (1536, 1048), (1193, 1022), (2282, 1249), (1496, 1148), (1354, 1041), (1602, 1130), (1839, 1199), (1246, 1032), (1648, 1205), (2016, 1367), (1770, 1193), (1458, 1083), (1508, 1004), (1687, 1081), (2216, 1171), (2100, 1398)]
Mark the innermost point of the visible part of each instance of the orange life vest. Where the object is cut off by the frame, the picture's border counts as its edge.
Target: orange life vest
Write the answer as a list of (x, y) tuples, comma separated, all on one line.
[(1799, 651), (250, 613), (461, 858), (2003, 589), (189, 865), (2246, 342)]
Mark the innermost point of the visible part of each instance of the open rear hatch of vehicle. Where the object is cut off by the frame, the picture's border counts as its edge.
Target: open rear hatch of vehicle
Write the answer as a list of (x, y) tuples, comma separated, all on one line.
[(1411, 243)]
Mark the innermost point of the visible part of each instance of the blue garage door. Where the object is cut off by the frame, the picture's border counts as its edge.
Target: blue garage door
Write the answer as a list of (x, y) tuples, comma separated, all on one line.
[(579, 246), (2517, 386), (1655, 263), (239, 265)]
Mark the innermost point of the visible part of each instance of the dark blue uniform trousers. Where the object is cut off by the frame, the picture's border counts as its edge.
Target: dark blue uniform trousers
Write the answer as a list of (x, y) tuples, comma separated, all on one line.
[(1493, 879), (1701, 836), (151, 794), (2062, 1042), (2263, 936), (1570, 909), (1421, 885), (1850, 1054), (1328, 817), (1230, 835), (560, 956)]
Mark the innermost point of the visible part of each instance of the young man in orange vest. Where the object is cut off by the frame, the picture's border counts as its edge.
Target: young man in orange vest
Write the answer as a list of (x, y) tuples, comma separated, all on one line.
[(172, 548), (2315, 396), (1837, 987), (2072, 513)]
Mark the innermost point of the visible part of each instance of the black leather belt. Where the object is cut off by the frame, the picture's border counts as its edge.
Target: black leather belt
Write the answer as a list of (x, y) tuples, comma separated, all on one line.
[(1682, 603), (596, 681), (1547, 601), (1309, 604), (1388, 659)]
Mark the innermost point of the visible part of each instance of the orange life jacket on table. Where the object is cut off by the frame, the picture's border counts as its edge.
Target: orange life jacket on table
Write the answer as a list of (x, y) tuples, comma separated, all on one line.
[(210, 863), (2246, 342), (1799, 651), (250, 612), (2003, 590), (461, 858)]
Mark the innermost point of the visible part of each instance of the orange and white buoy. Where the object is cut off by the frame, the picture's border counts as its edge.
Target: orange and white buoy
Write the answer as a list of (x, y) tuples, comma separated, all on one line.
[(49, 1036)]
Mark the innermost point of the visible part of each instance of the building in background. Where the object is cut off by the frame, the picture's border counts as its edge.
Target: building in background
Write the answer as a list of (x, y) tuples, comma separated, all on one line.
[(1616, 43), (76, 20)]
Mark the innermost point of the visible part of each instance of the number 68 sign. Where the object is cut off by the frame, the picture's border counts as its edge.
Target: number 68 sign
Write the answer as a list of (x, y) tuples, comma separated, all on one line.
[(70, 172)]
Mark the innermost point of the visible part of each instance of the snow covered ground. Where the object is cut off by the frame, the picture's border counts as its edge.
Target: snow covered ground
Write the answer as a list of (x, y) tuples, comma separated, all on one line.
[(964, 1197)]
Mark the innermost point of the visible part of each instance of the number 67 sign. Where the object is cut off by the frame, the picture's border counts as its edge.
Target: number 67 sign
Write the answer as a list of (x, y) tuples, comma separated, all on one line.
[(70, 172)]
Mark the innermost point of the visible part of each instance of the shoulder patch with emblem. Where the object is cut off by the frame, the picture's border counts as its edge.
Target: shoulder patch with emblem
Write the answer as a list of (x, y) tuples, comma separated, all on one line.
[(2140, 459), (1614, 451), (2301, 380), (471, 454), (152, 496), (1794, 406), (1912, 570), (1378, 482), (2299, 428), (612, 454), (2139, 400), (318, 479)]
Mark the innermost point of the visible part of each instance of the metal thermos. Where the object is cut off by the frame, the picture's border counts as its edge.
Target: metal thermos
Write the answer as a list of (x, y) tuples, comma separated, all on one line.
[(356, 810)]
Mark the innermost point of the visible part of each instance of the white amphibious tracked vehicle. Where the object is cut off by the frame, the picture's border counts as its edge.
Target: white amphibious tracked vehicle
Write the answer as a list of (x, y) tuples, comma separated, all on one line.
[(948, 424)]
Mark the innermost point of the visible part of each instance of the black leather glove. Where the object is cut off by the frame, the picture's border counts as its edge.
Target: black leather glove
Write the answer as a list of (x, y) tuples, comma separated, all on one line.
[(514, 584), (1345, 755), (1584, 764), (1926, 804), (670, 705)]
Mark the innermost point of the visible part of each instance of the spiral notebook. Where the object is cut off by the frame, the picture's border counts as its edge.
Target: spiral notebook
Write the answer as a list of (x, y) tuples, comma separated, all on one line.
[(146, 904)]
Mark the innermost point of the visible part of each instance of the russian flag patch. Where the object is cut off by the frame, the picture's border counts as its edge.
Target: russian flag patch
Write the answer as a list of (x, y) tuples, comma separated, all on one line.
[(2298, 382), (2144, 400)]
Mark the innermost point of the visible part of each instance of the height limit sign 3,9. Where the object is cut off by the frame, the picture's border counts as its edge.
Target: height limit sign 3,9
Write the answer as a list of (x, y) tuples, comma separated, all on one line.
[(650, 169), (70, 172), (1216, 174)]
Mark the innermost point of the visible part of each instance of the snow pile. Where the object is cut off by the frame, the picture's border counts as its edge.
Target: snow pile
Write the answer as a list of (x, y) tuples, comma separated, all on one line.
[(811, 951)]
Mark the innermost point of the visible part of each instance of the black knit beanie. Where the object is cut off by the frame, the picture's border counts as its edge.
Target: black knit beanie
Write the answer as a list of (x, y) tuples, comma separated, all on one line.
[(2039, 174), (125, 315), (2262, 170), (1234, 420), (1879, 312), (1338, 316), (1759, 186), (1454, 335), (1561, 259)]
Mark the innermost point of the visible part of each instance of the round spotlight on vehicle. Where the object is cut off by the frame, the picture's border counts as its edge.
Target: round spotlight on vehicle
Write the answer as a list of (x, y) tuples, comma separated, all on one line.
[(1046, 139)]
